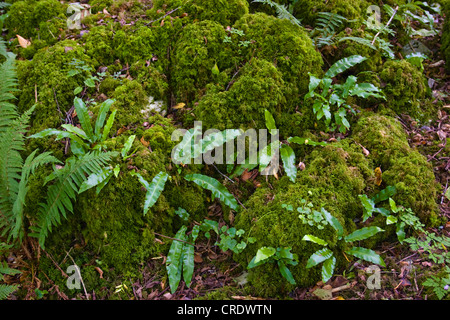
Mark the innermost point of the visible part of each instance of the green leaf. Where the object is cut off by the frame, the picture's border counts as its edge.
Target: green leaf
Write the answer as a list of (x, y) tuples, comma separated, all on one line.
[(368, 205), (288, 158), (154, 188), (367, 255), (215, 70), (447, 193), (175, 259), (314, 239), (104, 109), (285, 272), (334, 222), (318, 257), (264, 253), (95, 179), (217, 189), (109, 124), (391, 220), (77, 90), (72, 73), (393, 205), (305, 141), (59, 135), (182, 213), (343, 64), (400, 231), (83, 117), (384, 194), (270, 121), (127, 145), (362, 234), (328, 269), (188, 257), (79, 132), (89, 82)]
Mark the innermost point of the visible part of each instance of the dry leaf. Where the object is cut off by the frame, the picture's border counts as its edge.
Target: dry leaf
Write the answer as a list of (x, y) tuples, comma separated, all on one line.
[(100, 271), (378, 175), (179, 105), (23, 42), (442, 135), (121, 130), (145, 143), (246, 175)]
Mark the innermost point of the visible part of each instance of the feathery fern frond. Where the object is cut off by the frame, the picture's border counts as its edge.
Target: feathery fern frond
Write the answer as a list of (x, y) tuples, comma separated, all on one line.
[(8, 83), (6, 290), (327, 25), (282, 11), (64, 190), (4, 4)]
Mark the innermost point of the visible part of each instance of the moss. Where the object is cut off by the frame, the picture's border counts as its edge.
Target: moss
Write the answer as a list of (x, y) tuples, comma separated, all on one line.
[(44, 81), (307, 10), (199, 48), (333, 179), (404, 86), (25, 17), (98, 43), (221, 11), (154, 82), (287, 46), (130, 100), (259, 87), (445, 39), (402, 166)]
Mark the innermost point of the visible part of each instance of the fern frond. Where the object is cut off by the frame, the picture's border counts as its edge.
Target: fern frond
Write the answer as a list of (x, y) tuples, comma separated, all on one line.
[(4, 5), (8, 84), (6, 290), (327, 25), (282, 11), (64, 190), (11, 162)]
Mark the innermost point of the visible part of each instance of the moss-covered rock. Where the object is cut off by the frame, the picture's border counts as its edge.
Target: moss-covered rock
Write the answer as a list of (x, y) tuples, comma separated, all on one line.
[(333, 179), (404, 86), (445, 39), (221, 11), (25, 17), (402, 166), (258, 87), (307, 10)]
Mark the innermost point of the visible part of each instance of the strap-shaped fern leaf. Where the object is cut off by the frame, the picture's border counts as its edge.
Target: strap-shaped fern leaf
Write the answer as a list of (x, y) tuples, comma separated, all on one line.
[(64, 190), (344, 64)]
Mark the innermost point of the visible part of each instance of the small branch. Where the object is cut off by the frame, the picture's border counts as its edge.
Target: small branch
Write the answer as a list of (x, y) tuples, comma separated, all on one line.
[(161, 235), (170, 12), (390, 20)]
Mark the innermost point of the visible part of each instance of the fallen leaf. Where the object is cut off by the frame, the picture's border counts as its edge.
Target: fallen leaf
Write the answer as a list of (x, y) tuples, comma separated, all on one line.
[(378, 175), (179, 105), (144, 143), (246, 175), (442, 135), (24, 43), (121, 130), (198, 258), (100, 271)]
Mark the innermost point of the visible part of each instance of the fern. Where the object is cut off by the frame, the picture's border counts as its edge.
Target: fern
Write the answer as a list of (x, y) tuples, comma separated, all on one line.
[(64, 190), (327, 25), (282, 11), (6, 290)]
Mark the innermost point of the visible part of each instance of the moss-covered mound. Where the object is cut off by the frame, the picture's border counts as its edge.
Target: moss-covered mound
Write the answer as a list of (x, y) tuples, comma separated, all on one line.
[(405, 87), (402, 166), (333, 179)]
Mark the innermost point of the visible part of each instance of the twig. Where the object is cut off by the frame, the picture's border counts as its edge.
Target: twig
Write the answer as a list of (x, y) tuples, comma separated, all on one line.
[(170, 12), (223, 175), (390, 20), (79, 274), (161, 235)]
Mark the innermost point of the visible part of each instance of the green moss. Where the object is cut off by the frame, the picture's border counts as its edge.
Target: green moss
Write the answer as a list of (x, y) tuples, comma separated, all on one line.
[(286, 45), (221, 11), (98, 43), (26, 17), (44, 82), (130, 100), (404, 86), (307, 10), (259, 87), (445, 40), (333, 179), (198, 49), (402, 166)]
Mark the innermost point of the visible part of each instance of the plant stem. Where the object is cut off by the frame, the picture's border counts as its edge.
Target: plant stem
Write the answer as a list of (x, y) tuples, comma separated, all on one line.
[(390, 20)]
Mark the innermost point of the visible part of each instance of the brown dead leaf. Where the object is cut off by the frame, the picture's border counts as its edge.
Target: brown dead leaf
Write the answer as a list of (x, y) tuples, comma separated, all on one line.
[(144, 143), (198, 258), (378, 175), (24, 43), (121, 130), (246, 175), (442, 135), (100, 271)]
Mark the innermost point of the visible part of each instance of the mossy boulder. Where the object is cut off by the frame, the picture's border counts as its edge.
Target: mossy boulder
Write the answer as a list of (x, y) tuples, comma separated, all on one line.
[(114, 223), (25, 17), (445, 39), (44, 81), (333, 179), (402, 166), (286, 45), (404, 86), (258, 87), (307, 10)]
